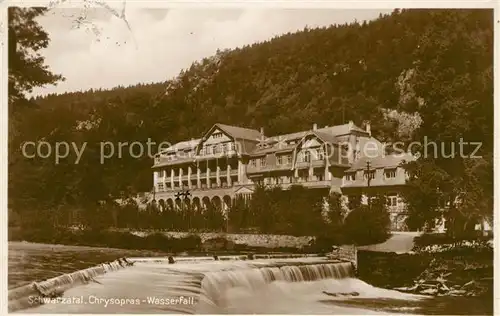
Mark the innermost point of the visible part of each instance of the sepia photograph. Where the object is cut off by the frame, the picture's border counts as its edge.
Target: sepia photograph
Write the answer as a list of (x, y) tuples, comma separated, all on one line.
[(249, 159)]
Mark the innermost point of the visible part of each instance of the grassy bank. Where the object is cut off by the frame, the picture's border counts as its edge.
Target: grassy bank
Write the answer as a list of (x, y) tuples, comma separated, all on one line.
[(158, 241)]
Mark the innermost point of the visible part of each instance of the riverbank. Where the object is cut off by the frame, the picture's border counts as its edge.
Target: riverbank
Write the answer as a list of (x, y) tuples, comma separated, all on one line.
[(461, 269), (28, 262), (172, 242)]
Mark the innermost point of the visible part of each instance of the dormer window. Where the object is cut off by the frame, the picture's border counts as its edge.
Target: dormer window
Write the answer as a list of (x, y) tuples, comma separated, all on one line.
[(390, 173), (370, 175), (253, 163), (351, 176)]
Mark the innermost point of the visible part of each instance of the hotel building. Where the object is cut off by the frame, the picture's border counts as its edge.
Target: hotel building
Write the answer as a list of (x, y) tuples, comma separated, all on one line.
[(228, 161)]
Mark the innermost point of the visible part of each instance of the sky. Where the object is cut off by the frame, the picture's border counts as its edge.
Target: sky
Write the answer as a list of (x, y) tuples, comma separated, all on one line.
[(103, 52)]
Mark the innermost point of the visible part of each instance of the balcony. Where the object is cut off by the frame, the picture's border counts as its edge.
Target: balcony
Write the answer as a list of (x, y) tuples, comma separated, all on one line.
[(303, 164), (316, 184), (268, 168), (318, 163)]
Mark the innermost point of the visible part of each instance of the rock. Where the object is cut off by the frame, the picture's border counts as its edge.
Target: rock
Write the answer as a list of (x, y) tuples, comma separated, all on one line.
[(468, 285), (429, 291), (457, 292)]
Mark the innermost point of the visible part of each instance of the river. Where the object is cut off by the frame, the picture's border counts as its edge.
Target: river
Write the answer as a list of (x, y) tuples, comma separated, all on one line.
[(247, 291)]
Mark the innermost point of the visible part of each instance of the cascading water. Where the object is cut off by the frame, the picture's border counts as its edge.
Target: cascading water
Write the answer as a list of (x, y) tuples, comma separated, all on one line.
[(215, 285), (236, 285)]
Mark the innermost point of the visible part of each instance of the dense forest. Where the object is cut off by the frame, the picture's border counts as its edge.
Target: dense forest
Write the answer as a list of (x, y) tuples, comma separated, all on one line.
[(414, 74)]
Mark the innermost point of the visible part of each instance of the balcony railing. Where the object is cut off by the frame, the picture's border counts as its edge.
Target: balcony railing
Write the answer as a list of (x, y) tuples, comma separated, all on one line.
[(234, 172), (302, 164), (318, 163)]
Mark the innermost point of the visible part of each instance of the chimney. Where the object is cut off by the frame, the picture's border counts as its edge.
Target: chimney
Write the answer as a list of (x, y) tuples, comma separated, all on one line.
[(315, 126), (368, 128), (351, 125)]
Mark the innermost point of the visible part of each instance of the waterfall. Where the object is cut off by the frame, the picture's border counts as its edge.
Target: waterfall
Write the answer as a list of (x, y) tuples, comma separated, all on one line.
[(208, 283), (215, 284), (18, 297)]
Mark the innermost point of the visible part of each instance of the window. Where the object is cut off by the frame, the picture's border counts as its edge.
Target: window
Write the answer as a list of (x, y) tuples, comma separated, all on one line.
[(390, 173), (320, 154), (287, 159), (279, 160), (230, 146), (300, 157), (262, 161), (157, 159), (392, 200), (253, 163), (217, 135), (320, 177), (370, 174), (160, 187), (307, 156), (218, 148), (351, 176)]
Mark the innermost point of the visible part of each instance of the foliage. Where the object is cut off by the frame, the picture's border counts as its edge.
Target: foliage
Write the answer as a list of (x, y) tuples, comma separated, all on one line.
[(26, 65), (112, 239), (239, 214), (453, 78), (368, 224)]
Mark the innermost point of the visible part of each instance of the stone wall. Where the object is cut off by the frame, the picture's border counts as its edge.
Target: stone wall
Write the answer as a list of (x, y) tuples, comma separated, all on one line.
[(252, 240)]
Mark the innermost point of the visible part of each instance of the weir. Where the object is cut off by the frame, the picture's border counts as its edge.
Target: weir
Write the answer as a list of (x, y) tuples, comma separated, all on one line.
[(152, 285)]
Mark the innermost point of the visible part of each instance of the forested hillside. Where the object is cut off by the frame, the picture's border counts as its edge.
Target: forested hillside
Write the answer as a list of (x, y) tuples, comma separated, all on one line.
[(413, 73)]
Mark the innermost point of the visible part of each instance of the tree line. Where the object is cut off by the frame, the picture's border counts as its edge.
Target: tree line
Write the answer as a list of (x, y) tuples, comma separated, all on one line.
[(297, 211)]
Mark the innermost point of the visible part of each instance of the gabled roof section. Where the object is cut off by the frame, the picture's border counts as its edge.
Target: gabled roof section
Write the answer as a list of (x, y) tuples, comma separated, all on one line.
[(328, 138), (343, 129), (240, 132), (382, 161), (182, 145)]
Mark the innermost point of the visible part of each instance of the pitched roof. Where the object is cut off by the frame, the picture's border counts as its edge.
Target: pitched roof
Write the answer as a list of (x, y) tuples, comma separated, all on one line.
[(182, 145), (381, 161), (340, 129), (240, 132), (330, 138)]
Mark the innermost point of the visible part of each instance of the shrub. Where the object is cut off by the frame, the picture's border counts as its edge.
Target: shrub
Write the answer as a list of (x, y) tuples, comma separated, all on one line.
[(367, 225)]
